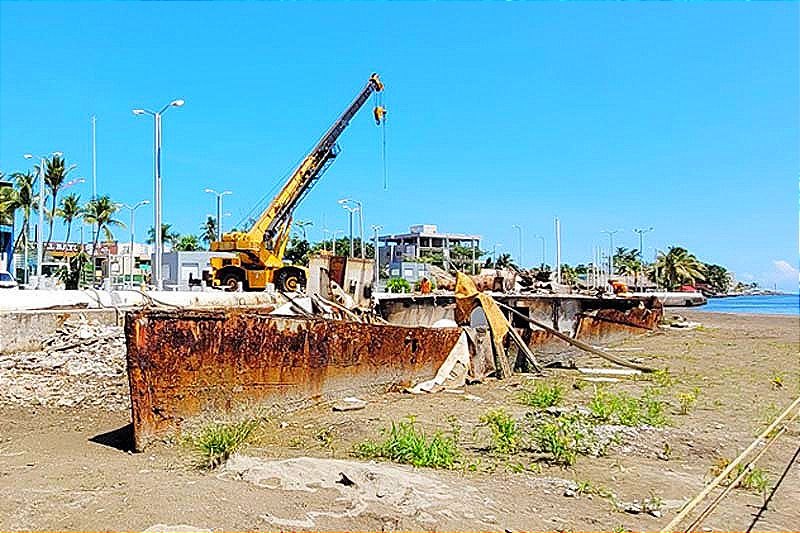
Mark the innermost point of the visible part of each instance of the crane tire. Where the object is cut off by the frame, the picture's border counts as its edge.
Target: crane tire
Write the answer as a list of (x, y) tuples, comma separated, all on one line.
[(230, 282), (289, 280)]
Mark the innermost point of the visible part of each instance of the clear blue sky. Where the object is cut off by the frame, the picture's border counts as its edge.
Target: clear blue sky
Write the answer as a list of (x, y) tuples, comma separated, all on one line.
[(683, 117)]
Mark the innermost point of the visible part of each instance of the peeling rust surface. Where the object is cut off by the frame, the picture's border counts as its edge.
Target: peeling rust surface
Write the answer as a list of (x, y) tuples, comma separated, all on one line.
[(611, 323), (183, 364)]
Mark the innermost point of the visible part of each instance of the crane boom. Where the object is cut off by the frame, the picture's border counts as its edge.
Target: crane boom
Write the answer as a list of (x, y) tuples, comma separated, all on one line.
[(310, 169), (260, 249)]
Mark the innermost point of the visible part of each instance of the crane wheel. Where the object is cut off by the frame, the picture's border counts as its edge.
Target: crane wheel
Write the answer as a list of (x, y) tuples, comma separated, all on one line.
[(230, 282), (289, 281)]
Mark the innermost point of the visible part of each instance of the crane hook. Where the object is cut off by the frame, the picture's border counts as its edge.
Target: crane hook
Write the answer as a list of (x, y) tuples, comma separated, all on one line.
[(379, 113)]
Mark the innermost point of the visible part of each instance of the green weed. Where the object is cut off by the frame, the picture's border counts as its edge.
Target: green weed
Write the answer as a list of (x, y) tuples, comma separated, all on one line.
[(505, 432), (687, 401), (627, 410), (215, 443), (404, 443), (542, 396), (564, 438)]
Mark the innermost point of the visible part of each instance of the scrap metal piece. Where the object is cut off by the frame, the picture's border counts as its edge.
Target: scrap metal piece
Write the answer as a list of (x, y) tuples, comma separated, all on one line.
[(187, 364)]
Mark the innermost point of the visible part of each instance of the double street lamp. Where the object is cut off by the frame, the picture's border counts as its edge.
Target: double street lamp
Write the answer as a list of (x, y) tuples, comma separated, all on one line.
[(345, 203), (39, 232), (219, 196), (157, 187), (132, 209)]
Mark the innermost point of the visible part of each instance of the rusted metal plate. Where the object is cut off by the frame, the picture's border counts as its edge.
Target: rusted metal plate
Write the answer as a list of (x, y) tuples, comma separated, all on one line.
[(183, 364), (611, 323)]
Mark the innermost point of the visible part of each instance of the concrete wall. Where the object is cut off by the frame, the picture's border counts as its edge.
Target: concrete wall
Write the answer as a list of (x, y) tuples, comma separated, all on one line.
[(24, 331)]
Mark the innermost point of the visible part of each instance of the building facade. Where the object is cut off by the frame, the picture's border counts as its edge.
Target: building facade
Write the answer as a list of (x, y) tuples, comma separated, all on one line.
[(6, 235), (424, 243)]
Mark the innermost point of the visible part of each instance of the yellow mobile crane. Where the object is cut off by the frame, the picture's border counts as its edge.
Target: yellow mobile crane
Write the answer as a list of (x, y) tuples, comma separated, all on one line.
[(259, 251)]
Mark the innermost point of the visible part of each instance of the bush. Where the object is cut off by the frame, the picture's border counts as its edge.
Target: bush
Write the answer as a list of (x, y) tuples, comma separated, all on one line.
[(215, 443), (542, 396), (404, 443), (397, 285), (505, 433)]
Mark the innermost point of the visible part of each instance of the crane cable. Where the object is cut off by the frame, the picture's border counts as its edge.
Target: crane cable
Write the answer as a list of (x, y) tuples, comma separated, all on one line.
[(379, 102)]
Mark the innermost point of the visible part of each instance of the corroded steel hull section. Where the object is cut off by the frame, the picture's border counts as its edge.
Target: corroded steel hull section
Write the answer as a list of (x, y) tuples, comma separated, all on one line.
[(186, 364)]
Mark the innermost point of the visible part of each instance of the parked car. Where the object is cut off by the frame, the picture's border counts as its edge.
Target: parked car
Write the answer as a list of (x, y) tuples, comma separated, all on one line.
[(7, 281)]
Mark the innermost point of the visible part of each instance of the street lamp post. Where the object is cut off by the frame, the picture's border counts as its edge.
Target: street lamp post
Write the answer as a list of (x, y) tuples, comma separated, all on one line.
[(39, 232), (544, 249), (521, 258), (157, 186), (345, 203), (641, 232), (376, 228), (558, 251), (219, 196), (494, 253), (132, 209), (611, 251)]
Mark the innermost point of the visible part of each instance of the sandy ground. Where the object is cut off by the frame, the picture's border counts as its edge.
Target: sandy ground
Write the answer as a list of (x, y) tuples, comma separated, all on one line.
[(69, 468)]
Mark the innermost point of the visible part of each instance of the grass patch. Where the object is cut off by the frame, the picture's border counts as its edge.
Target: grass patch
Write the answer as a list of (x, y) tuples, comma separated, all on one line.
[(755, 480), (403, 442), (542, 396), (564, 438), (215, 443), (504, 429), (628, 411)]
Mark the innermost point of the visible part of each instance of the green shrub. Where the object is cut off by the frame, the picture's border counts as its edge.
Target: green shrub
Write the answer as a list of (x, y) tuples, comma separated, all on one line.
[(564, 438), (404, 443), (627, 410), (505, 433), (216, 442), (542, 395), (397, 285)]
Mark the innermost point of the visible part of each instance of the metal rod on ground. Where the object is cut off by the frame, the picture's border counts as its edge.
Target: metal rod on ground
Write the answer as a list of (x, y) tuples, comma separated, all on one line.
[(577, 343), (728, 469), (745, 471)]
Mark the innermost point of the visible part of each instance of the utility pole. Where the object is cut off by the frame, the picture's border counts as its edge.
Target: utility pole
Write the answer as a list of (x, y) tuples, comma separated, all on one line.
[(219, 196), (376, 228), (132, 209), (611, 254), (94, 157), (521, 258), (558, 251)]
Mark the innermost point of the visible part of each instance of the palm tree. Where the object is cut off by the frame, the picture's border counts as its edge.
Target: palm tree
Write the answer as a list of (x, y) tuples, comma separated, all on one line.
[(70, 209), (23, 198), (208, 231), (168, 236), (187, 243), (99, 211), (55, 174), (679, 266)]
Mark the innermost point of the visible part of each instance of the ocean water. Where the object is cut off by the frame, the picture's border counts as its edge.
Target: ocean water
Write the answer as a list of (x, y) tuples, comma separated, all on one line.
[(784, 304)]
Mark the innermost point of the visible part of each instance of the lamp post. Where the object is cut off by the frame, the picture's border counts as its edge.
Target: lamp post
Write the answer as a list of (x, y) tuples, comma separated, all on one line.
[(157, 186), (494, 253), (376, 228), (544, 249), (345, 203), (519, 229), (39, 243), (558, 250), (611, 250), (132, 209), (641, 232), (219, 196)]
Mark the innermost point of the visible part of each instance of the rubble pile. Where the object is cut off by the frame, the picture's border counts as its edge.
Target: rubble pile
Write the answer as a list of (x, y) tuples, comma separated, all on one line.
[(81, 364)]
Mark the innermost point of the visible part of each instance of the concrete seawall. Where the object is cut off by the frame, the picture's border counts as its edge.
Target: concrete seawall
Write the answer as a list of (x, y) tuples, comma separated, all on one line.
[(24, 331)]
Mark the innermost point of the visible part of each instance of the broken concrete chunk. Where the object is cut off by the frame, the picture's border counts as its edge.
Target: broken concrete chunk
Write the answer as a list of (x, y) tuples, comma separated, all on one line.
[(349, 404)]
